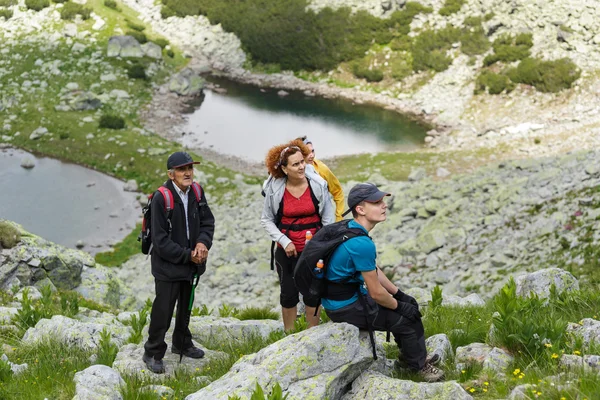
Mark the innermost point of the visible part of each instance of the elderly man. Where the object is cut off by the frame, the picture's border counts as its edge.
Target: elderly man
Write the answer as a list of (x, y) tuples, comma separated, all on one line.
[(181, 240)]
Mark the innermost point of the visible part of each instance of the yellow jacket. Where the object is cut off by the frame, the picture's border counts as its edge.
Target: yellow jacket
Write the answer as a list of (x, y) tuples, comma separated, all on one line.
[(334, 187)]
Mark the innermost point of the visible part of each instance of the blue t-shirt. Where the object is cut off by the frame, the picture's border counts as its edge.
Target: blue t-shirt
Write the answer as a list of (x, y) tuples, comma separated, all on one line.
[(349, 260)]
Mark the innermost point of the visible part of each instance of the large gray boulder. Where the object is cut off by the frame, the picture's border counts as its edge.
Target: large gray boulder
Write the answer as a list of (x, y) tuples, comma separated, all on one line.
[(186, 83), (317, 363), (129, 362), (98, 382), (231, 329), (152, 50), (35, 261), (539, 282), (124, 46), (588, 330), (85, 335), (375, 386)]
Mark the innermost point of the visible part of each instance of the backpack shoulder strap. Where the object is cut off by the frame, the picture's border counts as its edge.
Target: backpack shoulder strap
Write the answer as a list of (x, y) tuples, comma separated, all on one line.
[(197, 191), (168, 196), (313, 198)]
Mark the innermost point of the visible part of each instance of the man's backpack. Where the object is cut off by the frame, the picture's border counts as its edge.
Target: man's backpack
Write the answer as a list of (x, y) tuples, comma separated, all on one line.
[(145, 236), (321, 247)]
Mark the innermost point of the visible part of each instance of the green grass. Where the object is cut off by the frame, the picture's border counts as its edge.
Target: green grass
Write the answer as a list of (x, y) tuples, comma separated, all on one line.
[(121, 251), (52, 366), (249, 313)]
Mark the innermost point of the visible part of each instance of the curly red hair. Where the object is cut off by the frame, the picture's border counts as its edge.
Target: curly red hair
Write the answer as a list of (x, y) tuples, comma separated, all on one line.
[(273, 162)]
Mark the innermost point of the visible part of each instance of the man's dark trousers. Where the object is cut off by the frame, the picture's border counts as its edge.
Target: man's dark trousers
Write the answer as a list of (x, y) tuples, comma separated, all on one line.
[(409, 335), (167, 293)]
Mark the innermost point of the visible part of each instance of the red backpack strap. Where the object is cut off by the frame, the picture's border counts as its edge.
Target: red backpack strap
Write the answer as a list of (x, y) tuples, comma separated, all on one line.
[(168, 196), (197, 191)]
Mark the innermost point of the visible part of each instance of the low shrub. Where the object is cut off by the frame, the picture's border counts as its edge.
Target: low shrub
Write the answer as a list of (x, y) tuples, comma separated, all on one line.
[(170, 53), (139, 36), (451, 7), (136, 71), (473, 41), (7, 3), (111, 121), (546, 76), (362, 71), (430, 47), (135, 27), (9, 235), (402, 43), (494, 83), (70, 10), (401, 68), (166, 12), (509, 49), (161, 42), (7, 14), (37, 5), (111, 4), (60, 1)]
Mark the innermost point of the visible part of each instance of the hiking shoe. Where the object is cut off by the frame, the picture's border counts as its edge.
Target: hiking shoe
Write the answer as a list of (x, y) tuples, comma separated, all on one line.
[(191, 352), (433, 360), (429, 373), (156, 366)]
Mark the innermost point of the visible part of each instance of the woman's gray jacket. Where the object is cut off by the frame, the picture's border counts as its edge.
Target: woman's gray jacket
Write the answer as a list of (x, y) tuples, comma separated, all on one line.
[(273, 188)]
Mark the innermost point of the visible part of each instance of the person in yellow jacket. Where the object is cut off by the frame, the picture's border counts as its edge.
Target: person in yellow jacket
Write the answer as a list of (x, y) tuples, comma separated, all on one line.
[(332, 182)]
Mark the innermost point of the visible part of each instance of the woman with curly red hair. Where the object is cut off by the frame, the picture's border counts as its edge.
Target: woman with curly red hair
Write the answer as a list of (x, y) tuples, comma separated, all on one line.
[(296, 202)]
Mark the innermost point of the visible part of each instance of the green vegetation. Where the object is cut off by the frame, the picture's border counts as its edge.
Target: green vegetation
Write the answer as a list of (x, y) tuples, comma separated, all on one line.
[(107, 351), (136, 27), (451, 7), (361, 70), (493, 82), (546, 76), (259, 394), (7, 3), (111, 4), (256, 313), (508, 48), (70, 10), (473, 39), (296, 38), (111, 121), (430, 49), (9, 235), (136, 71), (139, 36), (37, 5), (7, 14), (161, 42), (122, 251)]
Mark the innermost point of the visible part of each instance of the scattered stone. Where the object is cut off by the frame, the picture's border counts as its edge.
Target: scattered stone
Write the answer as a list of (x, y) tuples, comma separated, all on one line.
[(27, 163)]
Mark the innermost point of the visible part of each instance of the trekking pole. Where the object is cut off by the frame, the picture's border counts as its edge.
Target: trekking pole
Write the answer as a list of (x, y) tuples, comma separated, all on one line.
[(188, 315)]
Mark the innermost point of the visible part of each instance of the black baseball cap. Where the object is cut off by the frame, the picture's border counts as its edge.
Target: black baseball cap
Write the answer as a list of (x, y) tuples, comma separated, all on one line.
[(363, 192), (180, 159)]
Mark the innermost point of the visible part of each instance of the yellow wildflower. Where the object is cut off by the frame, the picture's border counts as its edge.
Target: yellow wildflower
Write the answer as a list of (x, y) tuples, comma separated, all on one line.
[(548, 344), (516, 371), (486, 383), (577, 352), (484, 390), (472, 390), (554, 355), (463, 371)]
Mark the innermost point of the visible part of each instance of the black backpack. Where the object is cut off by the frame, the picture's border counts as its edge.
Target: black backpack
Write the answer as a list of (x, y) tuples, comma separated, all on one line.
[(321, 247), (145, 236)]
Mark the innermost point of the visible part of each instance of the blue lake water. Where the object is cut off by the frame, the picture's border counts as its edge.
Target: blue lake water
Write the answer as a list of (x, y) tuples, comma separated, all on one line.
[(246, 122), (65, 203)]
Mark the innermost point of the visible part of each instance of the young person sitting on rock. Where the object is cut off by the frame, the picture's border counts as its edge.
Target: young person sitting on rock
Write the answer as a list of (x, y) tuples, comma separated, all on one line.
[(387, 307), (333, 184), (180, 249), (296, 202)]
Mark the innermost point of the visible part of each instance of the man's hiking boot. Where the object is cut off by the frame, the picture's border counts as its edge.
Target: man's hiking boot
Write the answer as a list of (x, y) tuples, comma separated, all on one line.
[(191, 352), (156, 366), (400, 363), (429, 373)]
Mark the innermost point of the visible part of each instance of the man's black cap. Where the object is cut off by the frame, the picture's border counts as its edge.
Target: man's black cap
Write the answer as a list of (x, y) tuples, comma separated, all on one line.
[(364, 192), (180, 159)]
